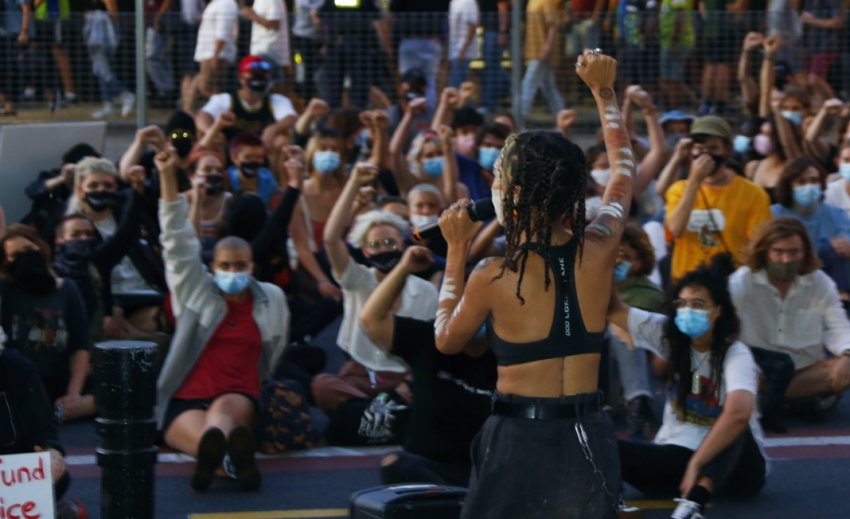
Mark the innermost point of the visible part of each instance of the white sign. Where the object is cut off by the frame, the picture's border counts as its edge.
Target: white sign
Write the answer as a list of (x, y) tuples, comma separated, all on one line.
[(26, 486)]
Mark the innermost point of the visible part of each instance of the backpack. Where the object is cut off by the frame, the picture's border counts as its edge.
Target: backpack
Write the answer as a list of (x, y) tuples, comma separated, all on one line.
[(285, 420)]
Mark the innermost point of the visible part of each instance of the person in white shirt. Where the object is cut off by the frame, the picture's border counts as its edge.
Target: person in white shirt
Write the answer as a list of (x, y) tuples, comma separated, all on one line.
[(269, 31), (791, 317), (464, 18), (838, 191), (216, 46), (255, 109), (710, 436), (379, 234)]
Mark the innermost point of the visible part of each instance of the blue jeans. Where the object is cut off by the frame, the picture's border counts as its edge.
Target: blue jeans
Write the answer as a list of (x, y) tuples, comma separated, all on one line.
[(494, 79), (110, 85), (459, 72), (423, 54), (540, 76)]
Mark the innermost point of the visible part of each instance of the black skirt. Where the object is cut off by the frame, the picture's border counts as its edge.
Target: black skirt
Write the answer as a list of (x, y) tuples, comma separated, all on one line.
[(524, 468)]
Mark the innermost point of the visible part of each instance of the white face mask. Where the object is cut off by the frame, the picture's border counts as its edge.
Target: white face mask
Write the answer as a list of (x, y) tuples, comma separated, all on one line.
[(496, 195), (420, 220), (601, 176)]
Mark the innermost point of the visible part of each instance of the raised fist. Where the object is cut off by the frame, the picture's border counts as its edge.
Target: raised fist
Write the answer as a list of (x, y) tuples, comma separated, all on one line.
[(598, 71)]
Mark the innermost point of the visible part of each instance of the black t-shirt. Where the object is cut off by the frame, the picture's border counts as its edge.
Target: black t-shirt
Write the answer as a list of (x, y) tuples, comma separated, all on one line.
[(352, 23), (420, 18), (47, 329), (490, 14), (453, 393), (26, 414)]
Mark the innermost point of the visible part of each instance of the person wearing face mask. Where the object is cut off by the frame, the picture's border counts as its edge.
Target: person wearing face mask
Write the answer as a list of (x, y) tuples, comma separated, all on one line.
[(256, 109), (714, 210), (838, 191), (431, 160), (371, 369), (635, 262), (676, 125), (800, 193), (137, 281), (209, 196), (453, 393), (710, 441), (794, 322), (249, 173), (231, 331), (45, 319), (490, 140)]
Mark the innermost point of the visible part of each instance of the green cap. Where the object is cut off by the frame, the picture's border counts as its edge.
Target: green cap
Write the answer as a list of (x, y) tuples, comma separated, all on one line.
[(712, 125)]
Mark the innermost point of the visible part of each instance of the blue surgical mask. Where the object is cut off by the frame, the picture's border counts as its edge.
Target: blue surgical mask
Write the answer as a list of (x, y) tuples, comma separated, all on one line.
[(433, 166), (692, 322), (741, 143), (326, 161), (796, 118), (487, 157), (232, 282), (621, 271), (808, 195), (844, 171)]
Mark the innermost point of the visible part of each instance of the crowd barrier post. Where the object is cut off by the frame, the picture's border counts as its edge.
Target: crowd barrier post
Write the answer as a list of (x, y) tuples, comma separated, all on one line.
[(125, 375)]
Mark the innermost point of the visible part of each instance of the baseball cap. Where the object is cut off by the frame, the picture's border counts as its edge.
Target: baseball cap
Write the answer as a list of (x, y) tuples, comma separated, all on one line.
[(252, 63), (675, 115), (712, 125)]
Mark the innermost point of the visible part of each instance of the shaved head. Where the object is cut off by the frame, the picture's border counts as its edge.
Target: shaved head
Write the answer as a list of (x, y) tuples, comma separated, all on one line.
[(233, 243)]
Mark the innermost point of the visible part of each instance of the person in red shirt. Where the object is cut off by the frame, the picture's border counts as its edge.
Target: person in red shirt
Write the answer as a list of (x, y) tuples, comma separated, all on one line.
[(230, 333)]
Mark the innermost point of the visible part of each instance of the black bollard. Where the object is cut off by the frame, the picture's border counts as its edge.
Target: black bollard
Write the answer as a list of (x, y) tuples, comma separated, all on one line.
[(125, 376)]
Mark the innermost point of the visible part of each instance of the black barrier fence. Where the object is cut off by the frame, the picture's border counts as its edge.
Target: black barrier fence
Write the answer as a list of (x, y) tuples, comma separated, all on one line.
[(76, 65)]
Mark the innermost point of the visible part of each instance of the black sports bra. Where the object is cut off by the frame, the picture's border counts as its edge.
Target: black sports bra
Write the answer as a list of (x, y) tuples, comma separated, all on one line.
[(568, 335)]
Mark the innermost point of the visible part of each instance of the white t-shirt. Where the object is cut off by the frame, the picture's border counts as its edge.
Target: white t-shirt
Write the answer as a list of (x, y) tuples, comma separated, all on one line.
[(418, 301), (219, 22), (281, 105), (462, 14), (268, 42), (836, 194), (740, 373)]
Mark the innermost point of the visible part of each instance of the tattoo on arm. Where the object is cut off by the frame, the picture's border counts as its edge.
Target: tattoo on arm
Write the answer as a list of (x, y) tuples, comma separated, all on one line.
[(606, 93)]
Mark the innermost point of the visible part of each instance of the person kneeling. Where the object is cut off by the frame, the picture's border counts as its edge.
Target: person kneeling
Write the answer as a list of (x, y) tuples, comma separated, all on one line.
[(231, 332), (453, 392), (710, 435)]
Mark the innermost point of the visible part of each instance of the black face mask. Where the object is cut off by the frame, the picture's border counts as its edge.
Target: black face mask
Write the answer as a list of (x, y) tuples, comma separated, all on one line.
[(101, 200), (215, 185), (29, 271), (719, 160), (251, 169), (72, 257), (183, 146), (258, 85), (385, 261)]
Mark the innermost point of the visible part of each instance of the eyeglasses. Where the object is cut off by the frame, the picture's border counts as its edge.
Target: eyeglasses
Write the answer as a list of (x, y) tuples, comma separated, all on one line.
[(386, 243), (259, 65), (696, 304)]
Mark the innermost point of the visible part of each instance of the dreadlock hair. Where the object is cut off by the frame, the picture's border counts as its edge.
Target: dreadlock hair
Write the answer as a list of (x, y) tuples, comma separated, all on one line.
[(546, 178), (713, 278)]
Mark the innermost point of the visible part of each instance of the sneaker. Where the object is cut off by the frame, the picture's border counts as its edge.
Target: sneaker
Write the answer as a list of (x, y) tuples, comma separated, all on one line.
[(687, 510), (211, 451), (241, 449), (128, 100), (106, 111)]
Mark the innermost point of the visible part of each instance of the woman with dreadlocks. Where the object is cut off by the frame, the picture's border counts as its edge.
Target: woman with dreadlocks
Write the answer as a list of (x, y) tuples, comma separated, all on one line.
[(710, 436), (548, 450)]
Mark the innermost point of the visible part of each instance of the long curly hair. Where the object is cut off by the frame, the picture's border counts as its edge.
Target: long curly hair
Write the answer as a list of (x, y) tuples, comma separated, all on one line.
[(545, 176), (714, 278)]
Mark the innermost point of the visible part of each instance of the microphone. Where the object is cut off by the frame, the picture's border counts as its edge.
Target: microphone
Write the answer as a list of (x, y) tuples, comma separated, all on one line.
[(479, 211)]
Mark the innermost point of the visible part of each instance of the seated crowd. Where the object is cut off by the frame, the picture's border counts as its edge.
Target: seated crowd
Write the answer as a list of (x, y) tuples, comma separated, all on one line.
[(233, 236)]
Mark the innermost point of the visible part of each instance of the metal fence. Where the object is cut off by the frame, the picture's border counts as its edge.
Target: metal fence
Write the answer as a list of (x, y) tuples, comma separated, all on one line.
[(72, 69)]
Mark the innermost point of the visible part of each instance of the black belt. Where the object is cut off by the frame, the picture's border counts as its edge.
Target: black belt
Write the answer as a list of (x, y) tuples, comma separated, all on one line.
[(545, 411)]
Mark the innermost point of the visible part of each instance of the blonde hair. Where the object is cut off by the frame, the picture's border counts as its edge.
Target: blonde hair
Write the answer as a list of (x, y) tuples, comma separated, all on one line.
[(84, 168), (366, 221)]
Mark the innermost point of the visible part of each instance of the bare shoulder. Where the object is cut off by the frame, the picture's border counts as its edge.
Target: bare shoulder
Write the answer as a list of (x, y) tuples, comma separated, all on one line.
[(486, 271)]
